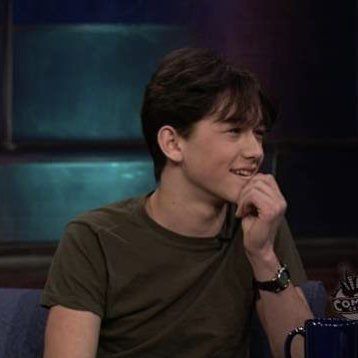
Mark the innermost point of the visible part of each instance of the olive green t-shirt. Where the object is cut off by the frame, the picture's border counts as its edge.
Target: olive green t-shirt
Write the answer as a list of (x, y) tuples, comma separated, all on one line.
[(158, 293)]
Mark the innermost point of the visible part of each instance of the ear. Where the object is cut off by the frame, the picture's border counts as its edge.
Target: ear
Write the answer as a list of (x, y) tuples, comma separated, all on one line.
[(170, 143)]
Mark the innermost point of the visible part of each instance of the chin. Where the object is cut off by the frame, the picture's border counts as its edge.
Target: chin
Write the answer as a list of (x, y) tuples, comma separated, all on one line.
[(232, 200), (226, 193), (233, 195), (230, 197)]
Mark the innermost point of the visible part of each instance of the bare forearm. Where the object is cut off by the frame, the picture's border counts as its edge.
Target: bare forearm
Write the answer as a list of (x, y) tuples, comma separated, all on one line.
[(279, 312)]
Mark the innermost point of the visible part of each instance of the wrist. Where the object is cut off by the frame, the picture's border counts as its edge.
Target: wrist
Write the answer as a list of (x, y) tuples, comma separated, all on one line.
[(264, 265), (277, 284)]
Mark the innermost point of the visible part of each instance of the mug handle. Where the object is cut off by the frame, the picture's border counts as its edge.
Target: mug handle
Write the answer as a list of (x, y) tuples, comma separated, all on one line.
[(290, 336)]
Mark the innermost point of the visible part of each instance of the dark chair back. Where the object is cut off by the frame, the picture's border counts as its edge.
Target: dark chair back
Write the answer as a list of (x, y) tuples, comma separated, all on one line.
[(22, 323)]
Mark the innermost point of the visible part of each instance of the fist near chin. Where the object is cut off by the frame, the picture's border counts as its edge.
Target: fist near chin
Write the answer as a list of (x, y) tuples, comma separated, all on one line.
[(261, 207)]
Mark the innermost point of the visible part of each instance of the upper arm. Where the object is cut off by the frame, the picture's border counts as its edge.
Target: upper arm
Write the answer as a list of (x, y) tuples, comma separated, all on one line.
[(71, 333), (78, 278)]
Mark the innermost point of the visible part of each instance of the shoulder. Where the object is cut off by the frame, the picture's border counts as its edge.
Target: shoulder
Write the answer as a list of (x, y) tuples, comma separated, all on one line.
[(108, 217)]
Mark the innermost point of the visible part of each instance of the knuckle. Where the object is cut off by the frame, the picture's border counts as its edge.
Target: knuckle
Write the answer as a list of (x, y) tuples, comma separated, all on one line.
[(277, 208), (259, 176)]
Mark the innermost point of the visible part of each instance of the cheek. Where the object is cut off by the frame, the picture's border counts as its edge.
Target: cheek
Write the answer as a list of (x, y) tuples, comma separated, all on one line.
[(211, 157), (215, 160)]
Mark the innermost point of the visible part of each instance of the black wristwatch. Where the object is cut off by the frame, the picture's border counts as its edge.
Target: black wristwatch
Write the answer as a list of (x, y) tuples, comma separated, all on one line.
[(277, 284)]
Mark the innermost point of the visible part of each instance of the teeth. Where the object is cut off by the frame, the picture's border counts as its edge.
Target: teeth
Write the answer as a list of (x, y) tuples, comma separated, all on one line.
[(243, 172)]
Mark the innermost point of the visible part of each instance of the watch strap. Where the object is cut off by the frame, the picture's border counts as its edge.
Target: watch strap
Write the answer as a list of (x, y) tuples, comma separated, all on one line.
[(277, 284)]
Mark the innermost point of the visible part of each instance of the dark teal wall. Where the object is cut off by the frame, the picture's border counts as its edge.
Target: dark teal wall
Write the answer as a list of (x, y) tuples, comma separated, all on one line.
[(85, 82), (38, 199)]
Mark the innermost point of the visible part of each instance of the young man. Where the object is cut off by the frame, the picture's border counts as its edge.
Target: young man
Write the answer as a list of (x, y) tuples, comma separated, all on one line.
[(177, 272)]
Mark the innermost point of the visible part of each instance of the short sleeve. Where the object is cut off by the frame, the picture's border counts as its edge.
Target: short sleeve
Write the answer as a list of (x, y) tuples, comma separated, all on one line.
[(77, 277), (287, 252)]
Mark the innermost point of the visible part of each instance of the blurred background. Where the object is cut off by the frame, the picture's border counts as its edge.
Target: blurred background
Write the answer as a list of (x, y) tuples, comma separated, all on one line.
[(73, 75)]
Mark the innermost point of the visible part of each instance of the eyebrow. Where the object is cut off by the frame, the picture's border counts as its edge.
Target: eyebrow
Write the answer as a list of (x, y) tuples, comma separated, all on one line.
[(236, 120), (229, 120)]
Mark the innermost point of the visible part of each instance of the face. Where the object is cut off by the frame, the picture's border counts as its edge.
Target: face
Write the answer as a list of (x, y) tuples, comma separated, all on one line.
[(215, 150)]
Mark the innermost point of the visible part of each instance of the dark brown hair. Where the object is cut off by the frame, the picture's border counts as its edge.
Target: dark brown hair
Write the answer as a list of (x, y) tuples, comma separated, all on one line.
[(189, 84)]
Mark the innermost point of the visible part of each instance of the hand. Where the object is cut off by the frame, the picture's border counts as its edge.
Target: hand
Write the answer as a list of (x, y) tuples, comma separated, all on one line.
[(262, 207)]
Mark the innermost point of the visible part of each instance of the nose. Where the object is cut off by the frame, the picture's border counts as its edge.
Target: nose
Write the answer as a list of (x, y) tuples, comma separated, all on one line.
[(251, 146)]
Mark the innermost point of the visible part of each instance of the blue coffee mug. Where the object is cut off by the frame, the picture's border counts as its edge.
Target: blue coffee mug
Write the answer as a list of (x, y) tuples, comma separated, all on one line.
[(327, 338)]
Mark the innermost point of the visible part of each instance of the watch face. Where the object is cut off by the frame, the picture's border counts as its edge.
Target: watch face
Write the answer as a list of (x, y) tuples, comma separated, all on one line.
[(284, 278)]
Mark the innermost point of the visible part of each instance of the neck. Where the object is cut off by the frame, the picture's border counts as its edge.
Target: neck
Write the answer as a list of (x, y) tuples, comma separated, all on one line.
[(184, 214)]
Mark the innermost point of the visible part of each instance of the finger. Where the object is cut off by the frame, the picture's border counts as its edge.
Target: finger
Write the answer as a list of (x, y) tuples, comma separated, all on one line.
[(265, 188), (245, 205), (255, 204), (276, 195), (270, 180), (243, 194), (261, 185), (265, 184)]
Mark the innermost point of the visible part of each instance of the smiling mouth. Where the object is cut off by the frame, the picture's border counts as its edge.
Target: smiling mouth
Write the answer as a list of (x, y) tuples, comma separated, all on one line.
[(243, 173)]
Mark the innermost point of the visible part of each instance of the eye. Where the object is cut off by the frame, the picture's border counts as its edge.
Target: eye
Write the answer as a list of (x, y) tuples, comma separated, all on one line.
[(260, 131), (234, 130)]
